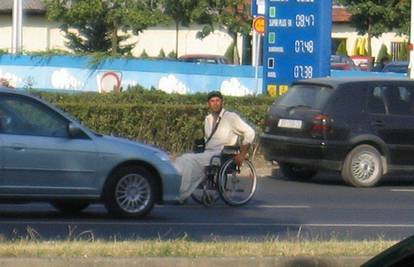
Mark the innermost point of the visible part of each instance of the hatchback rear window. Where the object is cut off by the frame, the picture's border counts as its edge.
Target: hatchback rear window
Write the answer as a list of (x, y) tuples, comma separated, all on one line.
[(311, 96)]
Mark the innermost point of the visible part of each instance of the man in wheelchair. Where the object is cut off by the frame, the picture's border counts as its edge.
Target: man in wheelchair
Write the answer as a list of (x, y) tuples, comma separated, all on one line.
[(222, 128)]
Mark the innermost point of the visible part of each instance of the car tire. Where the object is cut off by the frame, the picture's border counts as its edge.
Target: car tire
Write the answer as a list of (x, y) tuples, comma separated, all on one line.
[(362, 166), (130, 193), (70, 206), (296, 171)]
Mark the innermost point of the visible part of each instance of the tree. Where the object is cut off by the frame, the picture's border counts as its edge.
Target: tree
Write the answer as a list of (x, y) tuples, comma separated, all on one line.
[(94, 25), (382, 53), (234, 15), (161, 54), (404, 53), (341, 50), (400, 16), (180, 11), (374, 17)]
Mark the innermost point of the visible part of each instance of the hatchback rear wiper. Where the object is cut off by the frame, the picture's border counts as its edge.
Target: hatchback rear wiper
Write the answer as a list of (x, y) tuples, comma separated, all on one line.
[(297, 106)]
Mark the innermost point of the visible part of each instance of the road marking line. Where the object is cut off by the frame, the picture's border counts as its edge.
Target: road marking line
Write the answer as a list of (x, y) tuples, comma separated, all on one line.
[(281, 206), (211, 224), (402, 190), (245, 207)]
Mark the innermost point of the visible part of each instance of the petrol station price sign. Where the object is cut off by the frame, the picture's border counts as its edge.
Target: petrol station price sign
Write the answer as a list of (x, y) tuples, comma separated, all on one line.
[(297, 42)]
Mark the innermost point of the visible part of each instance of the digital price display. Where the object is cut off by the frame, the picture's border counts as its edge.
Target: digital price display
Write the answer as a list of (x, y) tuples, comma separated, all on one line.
[(297, 42)]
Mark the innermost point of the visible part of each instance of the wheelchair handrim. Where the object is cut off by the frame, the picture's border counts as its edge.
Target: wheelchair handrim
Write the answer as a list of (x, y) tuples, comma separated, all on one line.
[(222, 184)]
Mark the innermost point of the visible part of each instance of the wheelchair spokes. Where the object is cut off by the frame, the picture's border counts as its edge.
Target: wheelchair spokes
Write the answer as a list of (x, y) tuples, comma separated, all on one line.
[(206, 193), (237, 184), (234, 184)]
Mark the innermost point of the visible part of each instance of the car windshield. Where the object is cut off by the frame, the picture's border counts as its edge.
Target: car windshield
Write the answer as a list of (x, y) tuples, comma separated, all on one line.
[(310, 96)]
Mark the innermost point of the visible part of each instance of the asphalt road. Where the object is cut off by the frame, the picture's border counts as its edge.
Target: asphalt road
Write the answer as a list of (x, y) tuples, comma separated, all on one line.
[(323, 208)]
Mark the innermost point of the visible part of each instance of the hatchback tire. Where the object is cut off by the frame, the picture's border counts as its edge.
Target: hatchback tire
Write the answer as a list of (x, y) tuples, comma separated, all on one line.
[(296, 171), (69, 206), (130, 193), (362, 166)]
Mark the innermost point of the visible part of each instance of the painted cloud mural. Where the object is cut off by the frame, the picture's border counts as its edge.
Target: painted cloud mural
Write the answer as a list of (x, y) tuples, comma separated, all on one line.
[(233, 87), (63, 79), (171, 84), (11, 78)]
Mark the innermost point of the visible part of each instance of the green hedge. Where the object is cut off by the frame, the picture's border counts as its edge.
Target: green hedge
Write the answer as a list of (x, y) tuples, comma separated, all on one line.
[(138, 95), (171, 122)]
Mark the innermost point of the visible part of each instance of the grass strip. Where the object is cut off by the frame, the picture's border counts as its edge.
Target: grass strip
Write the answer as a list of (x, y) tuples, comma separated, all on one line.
[(184, 248)]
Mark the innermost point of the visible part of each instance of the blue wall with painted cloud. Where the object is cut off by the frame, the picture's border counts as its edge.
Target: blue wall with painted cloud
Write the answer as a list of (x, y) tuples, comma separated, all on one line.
[(79, 74)]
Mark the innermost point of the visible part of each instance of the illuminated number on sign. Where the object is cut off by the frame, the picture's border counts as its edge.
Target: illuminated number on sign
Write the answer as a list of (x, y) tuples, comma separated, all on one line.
[(302, 72), (303, 21), (302, 46)]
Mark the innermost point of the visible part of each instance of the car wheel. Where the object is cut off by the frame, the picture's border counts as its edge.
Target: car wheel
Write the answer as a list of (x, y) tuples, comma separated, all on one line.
[(362, 166), (296, 171), (130, 193), (70, 206)]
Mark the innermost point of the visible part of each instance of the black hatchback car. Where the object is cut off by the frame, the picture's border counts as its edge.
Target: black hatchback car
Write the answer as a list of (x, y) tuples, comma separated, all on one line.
[(362, 127)]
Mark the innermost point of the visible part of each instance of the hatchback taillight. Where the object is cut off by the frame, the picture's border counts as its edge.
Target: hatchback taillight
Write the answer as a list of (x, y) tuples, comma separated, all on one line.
[(320, 124)]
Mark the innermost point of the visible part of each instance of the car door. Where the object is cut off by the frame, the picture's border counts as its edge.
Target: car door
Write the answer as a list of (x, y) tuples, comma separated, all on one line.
[(391, 110), (1, 156), (39, 156)]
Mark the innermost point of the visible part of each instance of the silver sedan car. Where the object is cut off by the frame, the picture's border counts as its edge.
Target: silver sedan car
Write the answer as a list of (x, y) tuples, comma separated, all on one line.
[(45, 155)]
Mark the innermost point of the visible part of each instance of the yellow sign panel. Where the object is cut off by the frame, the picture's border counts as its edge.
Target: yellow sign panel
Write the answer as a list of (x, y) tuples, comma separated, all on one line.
[(283, 89), (272, 90), (259, 24)]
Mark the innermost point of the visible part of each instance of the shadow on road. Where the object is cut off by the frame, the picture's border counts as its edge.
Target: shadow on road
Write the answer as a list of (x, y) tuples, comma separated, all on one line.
[(334, 178)]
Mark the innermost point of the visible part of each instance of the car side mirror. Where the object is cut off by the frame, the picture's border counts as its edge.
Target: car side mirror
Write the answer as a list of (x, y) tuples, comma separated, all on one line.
[(74, 130)]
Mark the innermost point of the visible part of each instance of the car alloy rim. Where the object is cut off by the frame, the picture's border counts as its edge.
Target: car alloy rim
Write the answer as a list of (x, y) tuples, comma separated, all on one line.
[(365, 167), (133, 193)]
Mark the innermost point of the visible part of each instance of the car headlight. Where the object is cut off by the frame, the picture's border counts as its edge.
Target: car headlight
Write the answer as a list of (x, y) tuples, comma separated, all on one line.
[(163, 156)]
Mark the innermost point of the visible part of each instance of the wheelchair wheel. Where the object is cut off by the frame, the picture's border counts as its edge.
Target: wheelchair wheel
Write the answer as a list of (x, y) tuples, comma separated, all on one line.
[(205, 194), (237, 184)]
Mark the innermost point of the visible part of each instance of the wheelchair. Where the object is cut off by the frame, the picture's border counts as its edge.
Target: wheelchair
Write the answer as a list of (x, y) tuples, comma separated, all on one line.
[(224, 179)]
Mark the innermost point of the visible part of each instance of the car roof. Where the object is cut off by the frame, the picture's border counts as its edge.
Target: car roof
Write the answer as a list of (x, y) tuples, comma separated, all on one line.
[(17, 91), (4, 89), (23, 92), (200, 56), (335, 82), (405, 63), (340, 58)]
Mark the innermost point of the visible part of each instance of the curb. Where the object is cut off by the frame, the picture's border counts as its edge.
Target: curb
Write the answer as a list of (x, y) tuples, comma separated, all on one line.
[(186, 262)]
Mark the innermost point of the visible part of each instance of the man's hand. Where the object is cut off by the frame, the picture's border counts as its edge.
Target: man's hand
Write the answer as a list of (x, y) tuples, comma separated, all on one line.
[(239, 158)]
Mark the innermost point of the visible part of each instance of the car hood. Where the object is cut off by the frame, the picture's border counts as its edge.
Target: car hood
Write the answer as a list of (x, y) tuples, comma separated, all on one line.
[(129, 150), (126, 142)]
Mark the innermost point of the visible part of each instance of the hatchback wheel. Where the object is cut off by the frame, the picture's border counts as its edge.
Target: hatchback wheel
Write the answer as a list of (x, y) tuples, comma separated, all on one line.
[(130, 193), (362, 166), (70, 206), (296, 171)]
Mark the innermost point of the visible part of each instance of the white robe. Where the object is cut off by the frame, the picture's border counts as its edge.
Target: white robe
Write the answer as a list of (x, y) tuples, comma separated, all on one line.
[(191, 167)]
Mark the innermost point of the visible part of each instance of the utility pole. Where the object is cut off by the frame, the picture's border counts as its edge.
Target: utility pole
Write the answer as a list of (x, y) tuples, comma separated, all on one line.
[(17, 26)]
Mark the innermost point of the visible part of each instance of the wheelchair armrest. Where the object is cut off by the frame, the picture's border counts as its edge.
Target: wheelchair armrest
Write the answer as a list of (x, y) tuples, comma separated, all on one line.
[(230, 150)]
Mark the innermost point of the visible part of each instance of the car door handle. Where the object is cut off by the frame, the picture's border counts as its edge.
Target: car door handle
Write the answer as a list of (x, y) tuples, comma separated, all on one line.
[(378, 123), (19, 147)]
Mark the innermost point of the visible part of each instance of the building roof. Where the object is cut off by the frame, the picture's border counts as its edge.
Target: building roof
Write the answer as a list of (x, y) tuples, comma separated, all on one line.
[(340, 15), (31, 6)]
